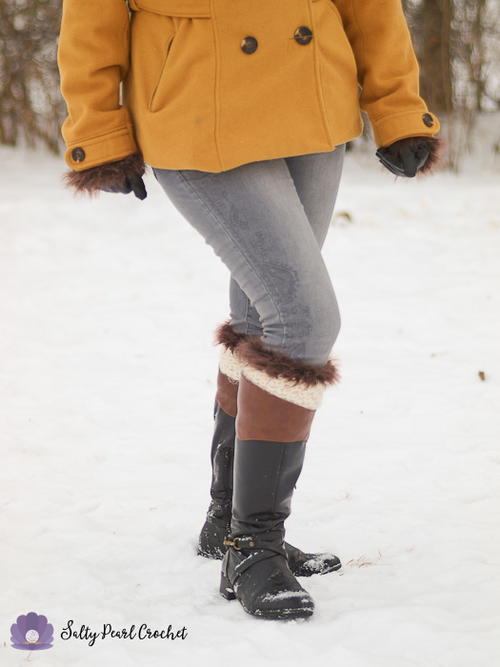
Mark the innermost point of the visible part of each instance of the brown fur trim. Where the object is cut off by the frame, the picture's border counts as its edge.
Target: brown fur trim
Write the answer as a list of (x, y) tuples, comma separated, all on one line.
[(436, 156), (227, 336), (435, 160), (277, 364), (89, 181)]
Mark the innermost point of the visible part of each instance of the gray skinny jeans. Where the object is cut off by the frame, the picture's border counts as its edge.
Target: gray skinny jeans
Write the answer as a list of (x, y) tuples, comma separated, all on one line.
[(267, 221)]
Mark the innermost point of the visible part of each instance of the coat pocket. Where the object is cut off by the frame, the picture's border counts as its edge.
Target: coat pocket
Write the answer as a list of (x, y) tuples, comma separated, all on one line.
[(171, 58), (163, 72)]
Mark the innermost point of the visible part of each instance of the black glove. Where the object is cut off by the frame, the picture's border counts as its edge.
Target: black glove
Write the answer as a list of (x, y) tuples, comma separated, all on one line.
[(407, 156), (123, 175), (132, 183)]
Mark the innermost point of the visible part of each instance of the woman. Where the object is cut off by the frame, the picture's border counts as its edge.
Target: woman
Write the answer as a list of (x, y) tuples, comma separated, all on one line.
[(243, 110)]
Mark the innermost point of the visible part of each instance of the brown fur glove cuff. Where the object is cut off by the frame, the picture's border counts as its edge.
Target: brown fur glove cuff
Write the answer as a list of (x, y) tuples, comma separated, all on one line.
[(412, 155), (123, 176)]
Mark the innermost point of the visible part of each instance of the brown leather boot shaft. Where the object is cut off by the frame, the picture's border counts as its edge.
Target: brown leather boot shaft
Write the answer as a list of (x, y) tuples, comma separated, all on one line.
[(227, 392), (263, 416)]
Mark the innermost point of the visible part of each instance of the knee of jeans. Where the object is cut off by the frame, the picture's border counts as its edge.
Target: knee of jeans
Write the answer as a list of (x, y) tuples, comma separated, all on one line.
[(305, 328), (325, 327)]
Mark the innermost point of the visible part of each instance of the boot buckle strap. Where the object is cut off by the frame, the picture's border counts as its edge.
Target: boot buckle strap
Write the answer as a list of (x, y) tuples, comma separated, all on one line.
[(254, 557), (246, 540)]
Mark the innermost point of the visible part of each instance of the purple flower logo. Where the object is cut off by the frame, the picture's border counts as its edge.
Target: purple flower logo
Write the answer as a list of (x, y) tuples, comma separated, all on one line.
[(31, 632)]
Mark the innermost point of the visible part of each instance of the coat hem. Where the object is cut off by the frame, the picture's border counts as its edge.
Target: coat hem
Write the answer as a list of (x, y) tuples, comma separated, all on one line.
[(232, 164)]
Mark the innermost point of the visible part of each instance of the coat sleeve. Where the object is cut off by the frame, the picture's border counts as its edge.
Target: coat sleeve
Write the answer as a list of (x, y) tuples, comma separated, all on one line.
[(388, 70), (93, 57)]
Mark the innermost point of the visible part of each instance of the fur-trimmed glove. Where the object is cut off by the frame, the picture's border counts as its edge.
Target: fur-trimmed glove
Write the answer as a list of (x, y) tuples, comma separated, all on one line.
[(410, 155), (123, 175)]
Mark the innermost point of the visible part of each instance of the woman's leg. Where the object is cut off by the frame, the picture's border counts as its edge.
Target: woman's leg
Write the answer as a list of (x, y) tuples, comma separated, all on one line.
[(316, 177), (254, 220)]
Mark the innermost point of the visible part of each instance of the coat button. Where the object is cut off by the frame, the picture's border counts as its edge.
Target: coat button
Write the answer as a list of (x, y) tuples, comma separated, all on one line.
[(78, 154), (427, 120), (303, 34), (249, 44)]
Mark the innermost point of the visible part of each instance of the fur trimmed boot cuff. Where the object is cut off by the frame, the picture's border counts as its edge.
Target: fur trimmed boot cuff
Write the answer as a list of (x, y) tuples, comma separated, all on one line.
[(228, 339), (225, 335), (309, 397), (289, 379), (229, 364)]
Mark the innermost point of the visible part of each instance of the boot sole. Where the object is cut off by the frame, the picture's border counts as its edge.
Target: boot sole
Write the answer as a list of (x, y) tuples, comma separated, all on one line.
[(282, 614), (228, 593)]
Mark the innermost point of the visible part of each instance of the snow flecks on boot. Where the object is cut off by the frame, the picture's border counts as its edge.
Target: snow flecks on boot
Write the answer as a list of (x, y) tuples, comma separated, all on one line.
[(210, 551), (284, 595), (306, 564), (321, 564), (216, 527)]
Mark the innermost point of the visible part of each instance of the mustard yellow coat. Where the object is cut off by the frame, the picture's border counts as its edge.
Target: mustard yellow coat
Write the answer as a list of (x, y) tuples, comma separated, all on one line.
[(213, 84)]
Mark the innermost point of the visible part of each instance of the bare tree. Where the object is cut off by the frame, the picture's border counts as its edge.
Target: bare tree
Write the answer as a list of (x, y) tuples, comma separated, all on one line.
[(435, 39), (457, 47), (31, 106)]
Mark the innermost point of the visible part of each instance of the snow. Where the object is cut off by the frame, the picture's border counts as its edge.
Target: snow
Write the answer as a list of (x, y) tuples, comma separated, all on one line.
[(284, 595), (107, 382)]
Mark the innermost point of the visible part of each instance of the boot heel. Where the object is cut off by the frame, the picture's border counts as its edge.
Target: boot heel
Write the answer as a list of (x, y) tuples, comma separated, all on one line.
[(226, 590)]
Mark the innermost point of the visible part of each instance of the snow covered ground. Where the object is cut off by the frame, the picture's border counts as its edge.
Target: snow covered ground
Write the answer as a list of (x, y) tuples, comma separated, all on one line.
[(107, 375)]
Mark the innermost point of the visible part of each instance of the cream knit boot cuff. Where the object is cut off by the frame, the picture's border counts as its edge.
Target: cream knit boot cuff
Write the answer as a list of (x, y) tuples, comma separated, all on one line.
[(308, 396), (229, 364)]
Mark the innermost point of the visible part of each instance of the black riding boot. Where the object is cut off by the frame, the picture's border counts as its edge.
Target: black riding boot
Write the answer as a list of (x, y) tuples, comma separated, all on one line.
[(274, 418), (218, 518), (255, 568)]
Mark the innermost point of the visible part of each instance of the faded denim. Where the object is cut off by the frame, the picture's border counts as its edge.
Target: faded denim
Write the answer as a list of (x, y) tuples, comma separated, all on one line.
[(267, 222)]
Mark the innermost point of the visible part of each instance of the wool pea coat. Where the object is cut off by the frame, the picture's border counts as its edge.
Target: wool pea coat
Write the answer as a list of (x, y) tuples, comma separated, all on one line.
[(213, 84)]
